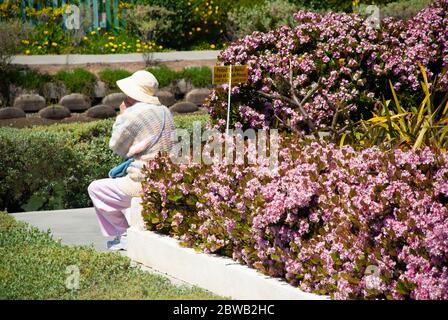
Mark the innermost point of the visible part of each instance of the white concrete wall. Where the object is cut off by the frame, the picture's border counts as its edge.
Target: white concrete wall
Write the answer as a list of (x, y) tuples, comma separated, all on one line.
[(217, 274)]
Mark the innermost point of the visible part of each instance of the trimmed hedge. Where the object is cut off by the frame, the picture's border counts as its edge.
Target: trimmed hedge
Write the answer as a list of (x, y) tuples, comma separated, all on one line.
[(50, 167)]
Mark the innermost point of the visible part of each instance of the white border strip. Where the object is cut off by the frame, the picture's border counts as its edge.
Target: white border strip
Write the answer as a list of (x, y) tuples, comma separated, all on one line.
[(220, 275), (113, 58)]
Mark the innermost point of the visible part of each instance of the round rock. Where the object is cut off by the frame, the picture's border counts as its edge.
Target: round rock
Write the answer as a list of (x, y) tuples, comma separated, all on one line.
[(197, 96), (166, 97), (11, 113), (184, 107), (101, 111), (30, 102), (114, 100), (55, 112), (75, 102)]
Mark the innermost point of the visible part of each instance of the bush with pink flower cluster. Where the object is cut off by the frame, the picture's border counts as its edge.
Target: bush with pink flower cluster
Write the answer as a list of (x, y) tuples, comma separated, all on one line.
[(332, 67), (323, 221)]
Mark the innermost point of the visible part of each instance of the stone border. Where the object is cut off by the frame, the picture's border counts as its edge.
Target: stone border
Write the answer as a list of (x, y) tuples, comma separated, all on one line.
[(220, 275)]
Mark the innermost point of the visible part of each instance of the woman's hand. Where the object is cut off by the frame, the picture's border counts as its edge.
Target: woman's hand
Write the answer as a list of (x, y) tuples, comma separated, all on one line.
[(122, 107), (128, 102)]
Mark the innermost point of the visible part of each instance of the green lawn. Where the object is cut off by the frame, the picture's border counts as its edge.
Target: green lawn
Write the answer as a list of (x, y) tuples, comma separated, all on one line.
[(33, 266)]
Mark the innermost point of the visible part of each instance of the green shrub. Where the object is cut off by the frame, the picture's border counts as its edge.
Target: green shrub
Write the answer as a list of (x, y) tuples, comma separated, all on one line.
[(175, 37), (77, 80), (199, 76), (263, 17), (27, 255), (50, 167), (110, 76), (164, 75), (33, 168), (65, 159), (9, 40), (22, 77), (403, 9), (335, 5), (28, 78), (186, 121)]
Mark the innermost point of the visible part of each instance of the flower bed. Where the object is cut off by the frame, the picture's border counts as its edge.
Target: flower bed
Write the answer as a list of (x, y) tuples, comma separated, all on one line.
[(336, 65), (324, 221)]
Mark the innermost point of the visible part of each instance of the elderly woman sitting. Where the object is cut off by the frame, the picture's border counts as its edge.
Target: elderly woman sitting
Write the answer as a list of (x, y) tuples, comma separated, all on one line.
[(143, 128)]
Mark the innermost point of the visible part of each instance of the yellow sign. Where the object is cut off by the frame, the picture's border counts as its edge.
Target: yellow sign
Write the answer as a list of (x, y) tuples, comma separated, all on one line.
[(221, 74)]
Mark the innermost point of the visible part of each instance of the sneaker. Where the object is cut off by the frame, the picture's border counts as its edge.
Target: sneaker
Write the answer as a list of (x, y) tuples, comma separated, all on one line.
[(119, 243)]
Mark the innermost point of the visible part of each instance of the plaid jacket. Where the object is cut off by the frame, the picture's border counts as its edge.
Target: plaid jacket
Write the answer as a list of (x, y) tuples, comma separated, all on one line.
[(141, 131)]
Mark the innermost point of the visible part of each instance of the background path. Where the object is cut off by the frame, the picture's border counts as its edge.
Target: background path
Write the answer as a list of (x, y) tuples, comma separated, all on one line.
[(73, 227), (113, 58)]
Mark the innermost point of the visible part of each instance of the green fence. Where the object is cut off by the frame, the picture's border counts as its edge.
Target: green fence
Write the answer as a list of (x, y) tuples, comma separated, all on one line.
[(106, 14)]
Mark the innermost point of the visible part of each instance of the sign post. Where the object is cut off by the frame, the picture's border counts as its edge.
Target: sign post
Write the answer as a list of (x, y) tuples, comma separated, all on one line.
[(230, 75)]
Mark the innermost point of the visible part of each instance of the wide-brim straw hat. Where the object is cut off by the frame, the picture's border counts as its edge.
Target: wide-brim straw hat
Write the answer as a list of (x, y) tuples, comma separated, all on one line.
[(140, 86)]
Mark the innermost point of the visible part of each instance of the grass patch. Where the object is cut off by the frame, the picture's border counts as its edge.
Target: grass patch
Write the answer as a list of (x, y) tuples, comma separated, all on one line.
[(164, 75), (199, 76), (110, 76), (77, 80), (33, 266)]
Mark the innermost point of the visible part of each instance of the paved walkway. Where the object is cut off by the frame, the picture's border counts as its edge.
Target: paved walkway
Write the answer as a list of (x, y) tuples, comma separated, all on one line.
[(77, 227), (113, 58), (74, 226)]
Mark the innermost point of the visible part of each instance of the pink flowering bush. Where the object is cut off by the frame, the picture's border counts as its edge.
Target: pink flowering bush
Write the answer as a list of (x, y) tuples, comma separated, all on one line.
[(323, 221), (331, 68)]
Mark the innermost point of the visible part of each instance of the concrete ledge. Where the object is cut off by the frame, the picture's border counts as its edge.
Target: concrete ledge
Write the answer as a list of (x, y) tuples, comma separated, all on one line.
[(113, 58), (217, 274)]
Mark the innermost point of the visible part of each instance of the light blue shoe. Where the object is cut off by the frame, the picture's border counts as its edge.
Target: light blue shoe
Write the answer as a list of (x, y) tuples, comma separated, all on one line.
[(119, 243)]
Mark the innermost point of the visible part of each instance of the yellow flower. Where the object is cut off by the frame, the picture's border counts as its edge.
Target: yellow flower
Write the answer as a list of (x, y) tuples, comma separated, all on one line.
[(27, 52), (115, 46), (25, 42), (106, 45), (45, 32), (93, 33), (138, 40), (138, 45), (160, 47), (39, 47), (54, 44), (145, 46), (190, 33), (129, 46), (138, 50), (212, 46), (198, 29), (85, 38), (111, 38), (46, 43), (113, 50), (123, 43)]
